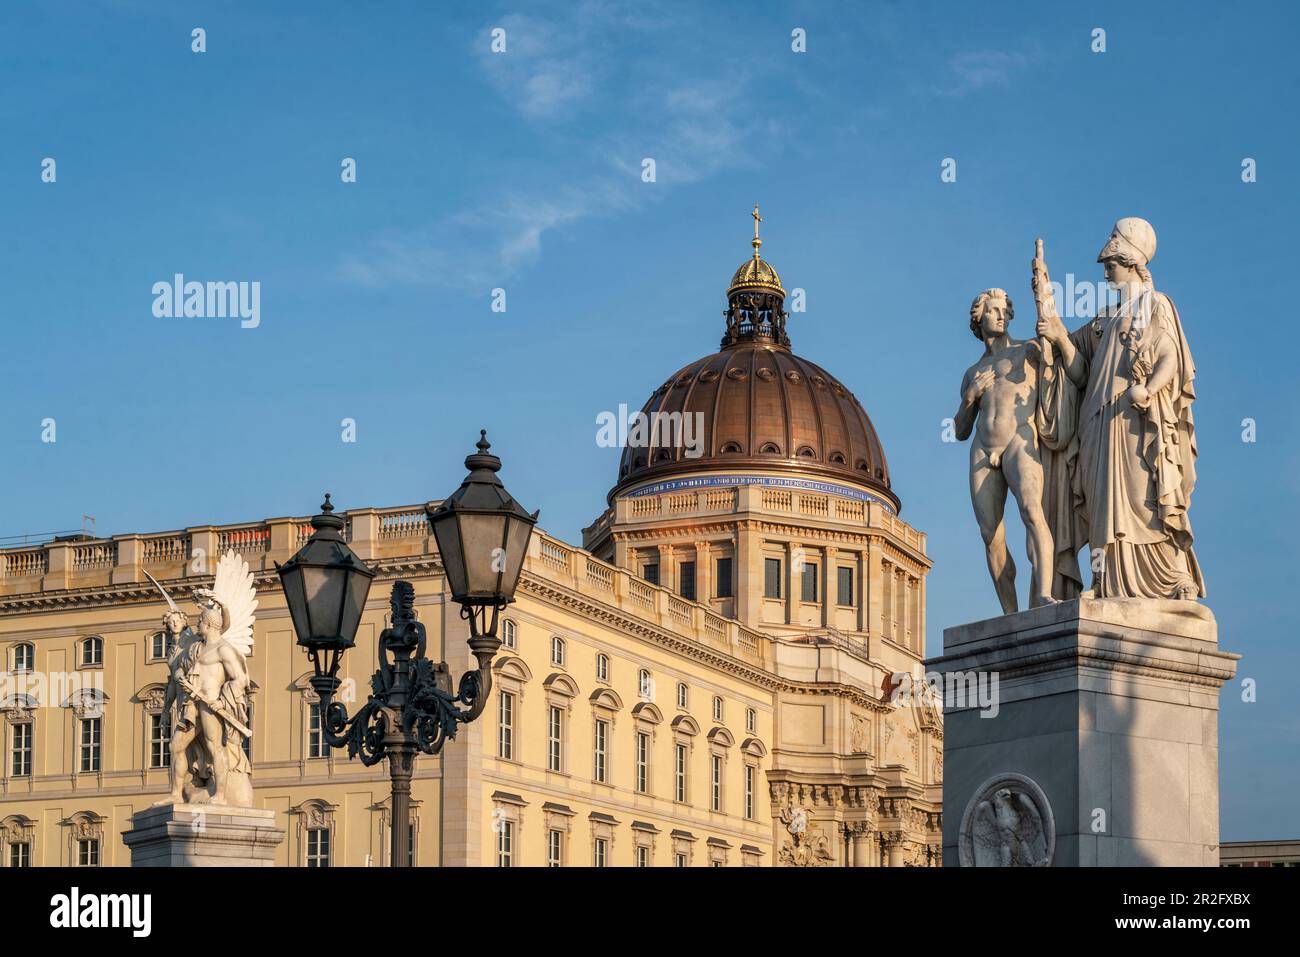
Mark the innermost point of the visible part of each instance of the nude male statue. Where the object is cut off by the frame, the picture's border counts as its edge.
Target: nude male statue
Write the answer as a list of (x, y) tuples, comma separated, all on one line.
[(209, 692), (999, 399), (209, 695)]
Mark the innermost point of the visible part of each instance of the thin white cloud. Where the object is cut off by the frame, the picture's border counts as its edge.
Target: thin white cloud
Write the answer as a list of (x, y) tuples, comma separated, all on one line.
[(975, 70), (552, 71)]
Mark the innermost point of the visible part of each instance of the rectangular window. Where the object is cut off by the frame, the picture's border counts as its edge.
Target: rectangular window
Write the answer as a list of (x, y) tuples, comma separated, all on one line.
[(722, 586), (602, 738), (717, 782), (506, 726), (679, 761), (749, 792), (771, 578), (679, 860), (90, 735), (809, 580), (20, 854), (651, 573), (598, 849), (160, 739), (505, 843), (20, 763), (554, 739), (642, 761), (554, 848), (844, 580), (315, 736), (318, 847), (642, 856), (410, 846), (88, 852), (686, 580)]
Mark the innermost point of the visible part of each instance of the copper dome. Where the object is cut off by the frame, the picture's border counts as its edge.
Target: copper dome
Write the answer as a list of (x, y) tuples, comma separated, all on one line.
[(762, 407)]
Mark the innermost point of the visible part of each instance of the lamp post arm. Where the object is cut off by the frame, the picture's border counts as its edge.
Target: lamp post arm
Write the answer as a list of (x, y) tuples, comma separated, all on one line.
[(362, 733)]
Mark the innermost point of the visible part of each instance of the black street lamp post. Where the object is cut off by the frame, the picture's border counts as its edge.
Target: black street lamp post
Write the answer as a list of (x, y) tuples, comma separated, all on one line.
[(482, 535)]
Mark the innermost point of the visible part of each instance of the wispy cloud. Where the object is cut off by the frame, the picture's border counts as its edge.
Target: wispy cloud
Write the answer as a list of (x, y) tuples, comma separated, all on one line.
[(975, 70), (549, 67), (683, 113)]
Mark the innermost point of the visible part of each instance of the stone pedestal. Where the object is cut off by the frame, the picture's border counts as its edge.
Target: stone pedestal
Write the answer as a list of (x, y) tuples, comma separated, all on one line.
[(203, 835), (1101, 729)]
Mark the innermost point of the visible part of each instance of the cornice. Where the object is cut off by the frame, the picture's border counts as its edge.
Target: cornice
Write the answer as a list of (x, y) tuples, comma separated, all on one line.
[(125, 593)]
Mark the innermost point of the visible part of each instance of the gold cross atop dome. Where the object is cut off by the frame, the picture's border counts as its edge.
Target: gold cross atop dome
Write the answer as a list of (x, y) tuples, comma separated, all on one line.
[(755, 274)]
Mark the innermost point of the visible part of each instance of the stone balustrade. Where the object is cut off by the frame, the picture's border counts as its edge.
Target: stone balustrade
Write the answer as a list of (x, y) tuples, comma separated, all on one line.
[(374, 534)]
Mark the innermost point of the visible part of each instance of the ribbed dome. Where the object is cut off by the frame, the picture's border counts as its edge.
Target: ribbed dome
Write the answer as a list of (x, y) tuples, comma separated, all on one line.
[(756, 275), (762, 407)]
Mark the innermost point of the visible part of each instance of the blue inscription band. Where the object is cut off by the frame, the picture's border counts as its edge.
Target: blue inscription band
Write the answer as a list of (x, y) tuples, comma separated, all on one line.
[(769, 481)]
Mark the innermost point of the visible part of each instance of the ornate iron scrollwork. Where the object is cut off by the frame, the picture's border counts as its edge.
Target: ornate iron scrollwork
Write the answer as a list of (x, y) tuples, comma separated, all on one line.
[(410, 695)]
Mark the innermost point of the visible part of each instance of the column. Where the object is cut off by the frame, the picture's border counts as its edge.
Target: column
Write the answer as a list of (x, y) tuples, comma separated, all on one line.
[(703, 573), (667, 570), (749, 574), (829, 580), (887, 600), (792, 552)]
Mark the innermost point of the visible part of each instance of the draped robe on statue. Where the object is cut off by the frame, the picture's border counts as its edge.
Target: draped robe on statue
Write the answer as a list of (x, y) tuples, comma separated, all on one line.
[(1119, 478)]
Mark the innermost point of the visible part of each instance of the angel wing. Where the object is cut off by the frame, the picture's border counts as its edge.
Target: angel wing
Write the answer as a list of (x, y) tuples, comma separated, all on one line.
[(233, 588)]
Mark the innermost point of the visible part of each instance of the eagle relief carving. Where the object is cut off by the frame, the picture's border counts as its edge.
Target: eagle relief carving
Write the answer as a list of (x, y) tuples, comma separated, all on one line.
[(1008, 823)]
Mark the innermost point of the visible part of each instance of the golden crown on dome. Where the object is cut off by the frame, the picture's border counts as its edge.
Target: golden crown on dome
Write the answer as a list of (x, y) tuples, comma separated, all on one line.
[(756, 275)]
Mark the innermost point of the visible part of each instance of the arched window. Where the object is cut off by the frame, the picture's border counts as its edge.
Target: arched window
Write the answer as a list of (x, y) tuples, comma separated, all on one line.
[(24, 657), (717, 708), (682, 694), (645, 684), (751, 719), (602, 667), (557, 650), (92, 651), (508, 634)]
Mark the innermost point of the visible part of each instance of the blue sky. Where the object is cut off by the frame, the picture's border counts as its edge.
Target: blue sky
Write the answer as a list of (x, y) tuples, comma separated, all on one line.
[(522, 171)]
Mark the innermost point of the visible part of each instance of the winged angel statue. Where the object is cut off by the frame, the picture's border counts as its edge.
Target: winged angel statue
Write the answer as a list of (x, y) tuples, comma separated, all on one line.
[(207, 701), (1008, 832)]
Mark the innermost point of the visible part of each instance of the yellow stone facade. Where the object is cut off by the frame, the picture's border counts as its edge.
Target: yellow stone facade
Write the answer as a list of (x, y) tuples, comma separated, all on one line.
[(784, 698)]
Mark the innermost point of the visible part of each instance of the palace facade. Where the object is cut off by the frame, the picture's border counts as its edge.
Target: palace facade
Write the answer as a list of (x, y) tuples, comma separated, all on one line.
[(704, 683)]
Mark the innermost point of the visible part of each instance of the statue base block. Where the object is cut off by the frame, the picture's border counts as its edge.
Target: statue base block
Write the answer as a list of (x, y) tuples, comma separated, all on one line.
[(1101, 732), (203, 835)]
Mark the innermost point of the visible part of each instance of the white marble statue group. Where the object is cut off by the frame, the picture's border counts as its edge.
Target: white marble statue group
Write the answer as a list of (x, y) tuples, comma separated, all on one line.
[(1091, 431), (207, 706)]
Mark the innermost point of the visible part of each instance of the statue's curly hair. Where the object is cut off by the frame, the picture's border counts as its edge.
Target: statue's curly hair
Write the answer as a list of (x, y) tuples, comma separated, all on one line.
[(977, 308), (1136, 264)]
